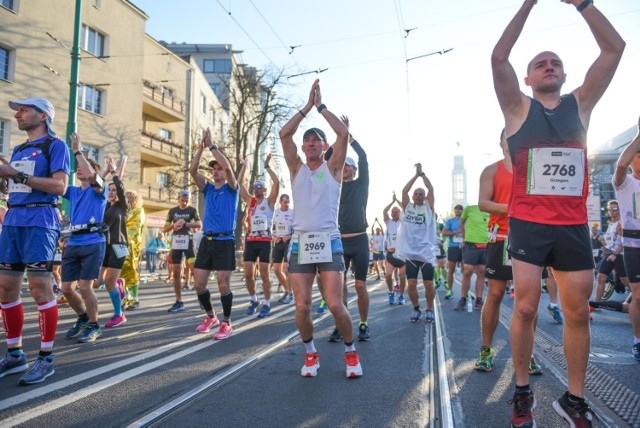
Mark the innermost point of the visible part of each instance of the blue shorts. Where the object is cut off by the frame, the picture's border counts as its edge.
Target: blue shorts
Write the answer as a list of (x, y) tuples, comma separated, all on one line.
[(82, 261), (27, 245)]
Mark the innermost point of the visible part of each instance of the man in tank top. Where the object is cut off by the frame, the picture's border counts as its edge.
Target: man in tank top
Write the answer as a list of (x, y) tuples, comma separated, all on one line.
[(547, 209), (316, 245)]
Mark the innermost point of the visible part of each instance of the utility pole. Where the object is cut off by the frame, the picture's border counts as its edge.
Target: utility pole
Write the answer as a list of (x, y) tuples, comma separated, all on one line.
[(73, 92)]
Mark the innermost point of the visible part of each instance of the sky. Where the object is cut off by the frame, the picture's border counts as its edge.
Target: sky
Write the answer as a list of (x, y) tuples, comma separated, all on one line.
[(405, 102)]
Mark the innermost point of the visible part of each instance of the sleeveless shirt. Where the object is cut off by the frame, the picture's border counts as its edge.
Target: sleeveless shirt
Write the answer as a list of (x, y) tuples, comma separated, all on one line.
[(502, 182)]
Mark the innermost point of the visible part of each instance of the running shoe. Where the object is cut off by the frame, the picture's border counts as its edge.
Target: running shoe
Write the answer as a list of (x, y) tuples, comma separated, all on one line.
[(11, 365), (523, 405), (449, 294), (133, 304), (578, 414), (177, 307), (120, 285), (555, 313), (115, 321), (223, 332), (462, 304), (636, 351), (392, 298), (535, 369), (429, 317), (90, 334), (438, 284), (252, 307), (363, 333), (207, 323), (287, 299), (335, 336), (353, 364), (39, 371), (322, 307), (264, 311), (401, 300), (416, 316), (484, 363), (76, 329), (478, 304), (311, 365)]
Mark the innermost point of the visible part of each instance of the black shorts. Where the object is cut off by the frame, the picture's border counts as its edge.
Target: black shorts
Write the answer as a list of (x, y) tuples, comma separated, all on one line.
[(215, 254), (176, 255), (618, 264), (82, 262), (378, 256), (632, 263), (413, 267), (280, 252), (356, 248), (497, 259), (394, 261), (440, 254), (254, 250), (454, 254), (111, 260), (474, 254), (565, 248)]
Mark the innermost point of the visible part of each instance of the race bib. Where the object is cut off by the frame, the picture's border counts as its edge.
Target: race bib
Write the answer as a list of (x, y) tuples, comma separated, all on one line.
[(555, 171), (596, 253), (314, 247), (121, 250), (457, 239), (26, 166), (258, 223), (180, 242), (282, 229), (57, 257), (392, 240)]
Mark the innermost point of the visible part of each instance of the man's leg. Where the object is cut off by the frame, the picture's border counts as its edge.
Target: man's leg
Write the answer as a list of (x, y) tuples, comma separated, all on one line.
[(467, 271), (527, 280), (634, 310), (301, 283), (575, 289), (266, 281), (331, 281), (491, 311), (90, 299), (176, 269), (479, 269), (451, 268)]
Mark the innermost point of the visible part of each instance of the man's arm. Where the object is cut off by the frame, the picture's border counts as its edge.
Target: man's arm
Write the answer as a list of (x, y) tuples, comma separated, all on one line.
[(407, 188), (385, 211), (226, 166), (289, 148), (431, 198), (275, 183), (485, 196), (602, 70), (625, 159), (244, 193), (194, 168), (513, 102), (83, 164)]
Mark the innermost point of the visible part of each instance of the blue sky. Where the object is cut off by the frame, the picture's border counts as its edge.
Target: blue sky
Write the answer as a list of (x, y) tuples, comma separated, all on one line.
[(407, 111)]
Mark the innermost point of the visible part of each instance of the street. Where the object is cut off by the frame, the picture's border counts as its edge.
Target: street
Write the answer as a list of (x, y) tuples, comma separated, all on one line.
[(157, 371)]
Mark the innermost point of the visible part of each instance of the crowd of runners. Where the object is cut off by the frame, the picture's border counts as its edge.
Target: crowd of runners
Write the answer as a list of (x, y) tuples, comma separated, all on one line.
[(525, 235)]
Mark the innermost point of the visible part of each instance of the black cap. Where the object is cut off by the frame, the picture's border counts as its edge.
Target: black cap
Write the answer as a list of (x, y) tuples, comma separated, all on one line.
[(458, 207), (212, 163), (316, 131)]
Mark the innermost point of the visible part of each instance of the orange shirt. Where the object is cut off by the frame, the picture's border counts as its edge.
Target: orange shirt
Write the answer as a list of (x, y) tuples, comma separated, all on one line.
[(501, 194)]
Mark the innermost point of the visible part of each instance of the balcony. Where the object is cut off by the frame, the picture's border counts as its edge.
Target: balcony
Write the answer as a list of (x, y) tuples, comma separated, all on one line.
[(160, 151), (165, 107), (157, 198)]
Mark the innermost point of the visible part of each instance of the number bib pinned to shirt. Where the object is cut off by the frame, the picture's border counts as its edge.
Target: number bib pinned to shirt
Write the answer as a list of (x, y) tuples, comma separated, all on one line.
[(258, 223), (554, 171), (26, 166), (314, 247), (282, 229), (180, 242)]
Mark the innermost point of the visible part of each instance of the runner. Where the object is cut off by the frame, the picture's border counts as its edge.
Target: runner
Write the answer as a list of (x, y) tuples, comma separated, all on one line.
[(217, 250), (548, 223), (130, 274), (473, 224), (393, 264), (454, 251), (29, 233), (180, 220), (613, 252), (85, 247), (417, 242), (282, 232), (628, 193), (316, 244), (377, 248), (258, 238)]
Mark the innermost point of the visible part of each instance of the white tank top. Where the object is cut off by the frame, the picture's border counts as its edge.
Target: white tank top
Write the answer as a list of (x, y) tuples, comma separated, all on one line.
[(317, 198), (417, 237), (283, 222), (260, 217), (391, 235)]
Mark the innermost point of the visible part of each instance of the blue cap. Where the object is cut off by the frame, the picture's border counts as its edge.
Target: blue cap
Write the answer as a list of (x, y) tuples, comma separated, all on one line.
[(316, 131)]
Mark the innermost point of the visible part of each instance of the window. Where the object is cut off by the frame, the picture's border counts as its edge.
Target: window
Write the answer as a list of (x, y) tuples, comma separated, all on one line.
[(164, 133), (10, 4), (4, 142), (212, 116), (163, 179), (90, 99), (4, 63), (90, 152), (214, 88), (217, 66), (92, 41), (203, 104)]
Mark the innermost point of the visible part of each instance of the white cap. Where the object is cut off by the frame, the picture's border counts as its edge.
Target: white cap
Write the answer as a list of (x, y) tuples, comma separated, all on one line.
[(41, 104)]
